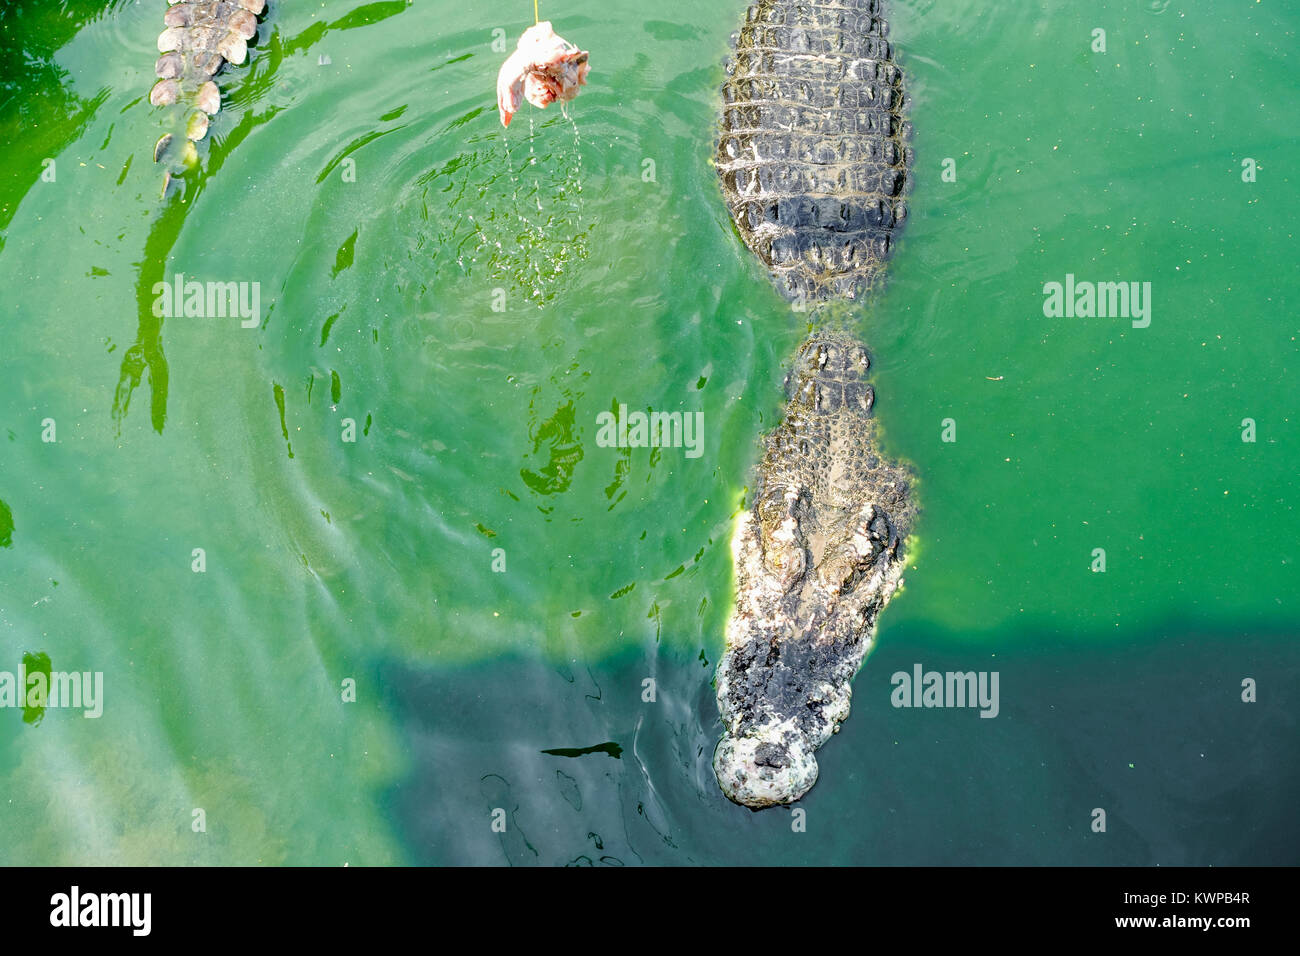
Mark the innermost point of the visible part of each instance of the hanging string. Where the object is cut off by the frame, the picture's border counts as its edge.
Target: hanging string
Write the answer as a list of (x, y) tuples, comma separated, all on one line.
[(536, 16)]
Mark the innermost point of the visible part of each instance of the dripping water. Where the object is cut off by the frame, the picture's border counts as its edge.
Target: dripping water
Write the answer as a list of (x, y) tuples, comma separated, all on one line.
[(533, 239)]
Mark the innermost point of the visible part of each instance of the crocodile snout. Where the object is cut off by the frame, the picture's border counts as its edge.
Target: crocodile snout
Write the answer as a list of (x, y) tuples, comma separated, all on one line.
[(765, 767)]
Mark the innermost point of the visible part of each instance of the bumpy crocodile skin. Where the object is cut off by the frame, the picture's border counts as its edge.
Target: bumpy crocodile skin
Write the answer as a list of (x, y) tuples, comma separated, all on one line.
[(818, 556), (201, 36), (811, 155), (813, 169)]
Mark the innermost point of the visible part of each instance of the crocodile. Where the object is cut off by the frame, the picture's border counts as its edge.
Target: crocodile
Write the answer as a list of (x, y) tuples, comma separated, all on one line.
[(200, 37), (813, 163)]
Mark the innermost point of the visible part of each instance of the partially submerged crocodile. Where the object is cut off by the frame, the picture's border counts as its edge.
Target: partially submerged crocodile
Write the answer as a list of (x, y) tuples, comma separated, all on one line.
[(813, 166), (201, 36)]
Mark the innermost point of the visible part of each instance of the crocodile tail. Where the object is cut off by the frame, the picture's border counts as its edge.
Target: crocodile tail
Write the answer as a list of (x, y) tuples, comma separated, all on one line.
[(201, 36)]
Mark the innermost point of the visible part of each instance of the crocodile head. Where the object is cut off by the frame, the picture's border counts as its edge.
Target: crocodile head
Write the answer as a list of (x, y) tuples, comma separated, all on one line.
[(817, 557)]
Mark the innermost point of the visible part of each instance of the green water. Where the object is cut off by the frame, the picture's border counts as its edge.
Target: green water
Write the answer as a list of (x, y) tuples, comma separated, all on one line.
[(497, 584)]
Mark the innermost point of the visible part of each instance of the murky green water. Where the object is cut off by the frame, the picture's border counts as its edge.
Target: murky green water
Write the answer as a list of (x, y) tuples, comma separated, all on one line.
[(465, 303)]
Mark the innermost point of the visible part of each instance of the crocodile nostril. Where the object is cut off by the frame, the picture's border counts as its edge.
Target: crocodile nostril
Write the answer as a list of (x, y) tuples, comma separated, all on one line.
[(772, 755)]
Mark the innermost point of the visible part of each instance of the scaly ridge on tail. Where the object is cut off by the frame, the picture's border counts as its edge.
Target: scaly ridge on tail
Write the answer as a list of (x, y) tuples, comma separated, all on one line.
[(201, 36)]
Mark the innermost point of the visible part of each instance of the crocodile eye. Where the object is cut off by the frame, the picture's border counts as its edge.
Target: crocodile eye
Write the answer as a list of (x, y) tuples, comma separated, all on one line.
[(858, 358), (861, 396), (783, 556)]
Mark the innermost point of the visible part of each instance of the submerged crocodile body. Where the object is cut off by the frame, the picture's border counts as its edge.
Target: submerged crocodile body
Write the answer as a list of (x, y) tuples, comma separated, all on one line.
[(811, 154), (201, 36), (813, 168)]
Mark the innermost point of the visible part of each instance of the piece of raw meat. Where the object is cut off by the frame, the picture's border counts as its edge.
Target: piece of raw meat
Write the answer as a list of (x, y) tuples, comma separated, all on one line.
[(544, 68)]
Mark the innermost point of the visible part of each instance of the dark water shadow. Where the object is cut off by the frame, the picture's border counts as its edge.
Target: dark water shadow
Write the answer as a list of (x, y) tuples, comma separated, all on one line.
[(1151, 727)]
